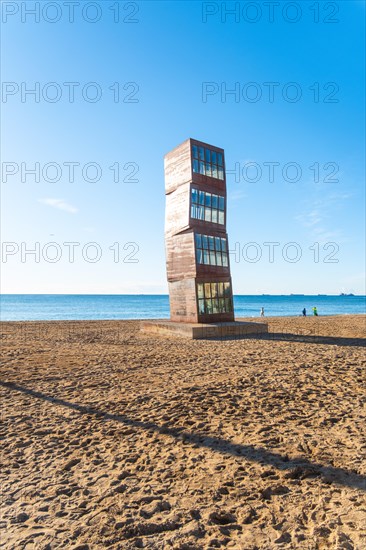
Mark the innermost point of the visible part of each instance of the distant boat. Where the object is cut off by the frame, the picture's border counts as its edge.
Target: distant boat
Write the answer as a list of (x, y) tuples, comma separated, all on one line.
[(344, 294)]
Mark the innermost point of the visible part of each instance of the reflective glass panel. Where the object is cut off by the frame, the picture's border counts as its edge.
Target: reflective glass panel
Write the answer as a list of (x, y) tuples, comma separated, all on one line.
[(214, 216), (223, 244), (221, 217), (221, 173), (207, 214), (215, 173), (195, 151), (208, 169), (195, 166), (202, 153), (228, 305), (202, 167), (211, 242), (215, 201), (197, 211), (205, 242), (201, 197), (218, 259), (219, 159), (212, 258), (211, 300), (208, 199), (218, 243), (213, 157), (207, 290), (224, 260), (208, 155), (198, 240), (221, 203)]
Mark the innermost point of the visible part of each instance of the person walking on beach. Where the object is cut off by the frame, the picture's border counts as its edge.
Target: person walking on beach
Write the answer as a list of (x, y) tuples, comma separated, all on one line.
[(262, 311), (315, 311), (304, 312)]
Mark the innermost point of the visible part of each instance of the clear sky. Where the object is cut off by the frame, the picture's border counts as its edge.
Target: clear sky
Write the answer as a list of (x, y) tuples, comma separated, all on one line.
[(292, 130)]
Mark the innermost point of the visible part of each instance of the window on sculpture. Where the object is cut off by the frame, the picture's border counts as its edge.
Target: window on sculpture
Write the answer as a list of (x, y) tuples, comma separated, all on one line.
[(211, 250), (214, 298), (207, 206), (207, 162)]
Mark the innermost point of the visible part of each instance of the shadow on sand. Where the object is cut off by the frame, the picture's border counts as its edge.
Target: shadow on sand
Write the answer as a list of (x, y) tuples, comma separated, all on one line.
[(303, 338), (298, 468)]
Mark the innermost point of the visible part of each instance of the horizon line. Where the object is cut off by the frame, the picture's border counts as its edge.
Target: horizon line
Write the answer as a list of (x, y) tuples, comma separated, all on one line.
[(166, 294)]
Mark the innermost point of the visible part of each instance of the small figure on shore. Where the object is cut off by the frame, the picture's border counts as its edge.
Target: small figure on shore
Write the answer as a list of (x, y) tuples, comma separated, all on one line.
[(304, 312), (262, 311), (315, 311)]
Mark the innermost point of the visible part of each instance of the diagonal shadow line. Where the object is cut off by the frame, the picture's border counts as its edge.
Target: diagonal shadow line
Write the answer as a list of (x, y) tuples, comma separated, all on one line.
[(223, 446), (315, 339), (293, 337)]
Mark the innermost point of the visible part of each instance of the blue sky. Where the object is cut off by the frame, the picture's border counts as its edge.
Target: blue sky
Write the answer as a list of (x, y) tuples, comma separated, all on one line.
[(312, 210)]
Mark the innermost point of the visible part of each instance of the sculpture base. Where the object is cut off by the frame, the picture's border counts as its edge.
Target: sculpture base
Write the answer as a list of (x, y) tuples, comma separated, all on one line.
[(201, 331)]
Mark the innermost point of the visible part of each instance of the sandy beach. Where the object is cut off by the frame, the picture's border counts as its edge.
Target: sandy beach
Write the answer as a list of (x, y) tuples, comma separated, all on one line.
[(112, 438)]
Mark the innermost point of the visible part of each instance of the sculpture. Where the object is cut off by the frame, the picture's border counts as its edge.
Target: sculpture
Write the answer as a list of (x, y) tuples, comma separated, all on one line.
[(197, 251)]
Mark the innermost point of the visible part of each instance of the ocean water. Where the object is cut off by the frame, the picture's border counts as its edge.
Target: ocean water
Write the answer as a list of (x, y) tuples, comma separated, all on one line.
[(47, 307)]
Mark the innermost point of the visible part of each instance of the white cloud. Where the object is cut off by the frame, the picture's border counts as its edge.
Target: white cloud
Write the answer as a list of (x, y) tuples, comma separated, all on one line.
[(237, 195), (334, 199), (310, 219), (60, 204), (323, 235), (320, 212)]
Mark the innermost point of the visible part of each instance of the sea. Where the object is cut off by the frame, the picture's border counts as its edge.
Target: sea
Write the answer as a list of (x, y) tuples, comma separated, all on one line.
[(56, 307)]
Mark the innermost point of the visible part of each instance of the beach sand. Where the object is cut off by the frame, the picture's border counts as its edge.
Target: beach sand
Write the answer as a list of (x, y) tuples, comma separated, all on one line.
[(112, 438)]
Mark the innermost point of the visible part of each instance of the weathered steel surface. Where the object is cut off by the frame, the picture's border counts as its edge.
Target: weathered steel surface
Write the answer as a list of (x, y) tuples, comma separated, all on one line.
[(183, 303), (177, 210), (178, 166), (181, 262)]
